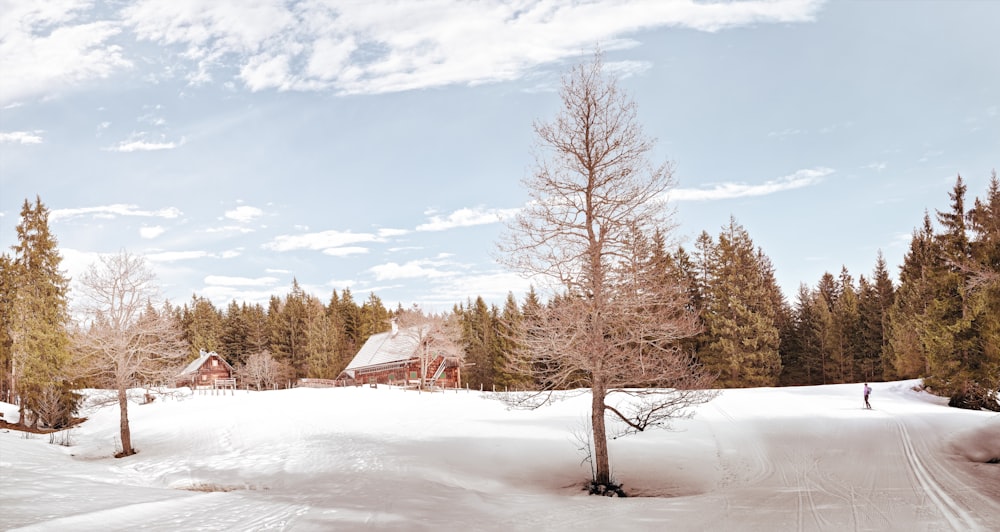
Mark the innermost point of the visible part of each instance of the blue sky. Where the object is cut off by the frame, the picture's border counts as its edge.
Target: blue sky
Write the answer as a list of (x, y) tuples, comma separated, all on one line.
[(378, 145)]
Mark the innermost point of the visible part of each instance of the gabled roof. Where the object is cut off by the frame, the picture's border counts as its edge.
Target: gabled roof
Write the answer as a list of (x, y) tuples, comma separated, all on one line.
[(203, 357), (387, 347)]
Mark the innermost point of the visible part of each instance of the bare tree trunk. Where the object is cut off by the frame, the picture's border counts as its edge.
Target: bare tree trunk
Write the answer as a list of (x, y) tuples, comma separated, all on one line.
[(602, 467), (126, 433)]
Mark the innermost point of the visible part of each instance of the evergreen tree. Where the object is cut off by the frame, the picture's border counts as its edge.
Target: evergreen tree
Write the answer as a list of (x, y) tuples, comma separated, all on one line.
[(950, 331), (845, 330), (7, 297), (235, 335), (875, 298), (203, 327), (374, 318), (476, 338), (322, 343), (507, 329), (983, 286), (288, 325), (742, 336), (906, 350), (350, 316), (803, 356), (36, 325)]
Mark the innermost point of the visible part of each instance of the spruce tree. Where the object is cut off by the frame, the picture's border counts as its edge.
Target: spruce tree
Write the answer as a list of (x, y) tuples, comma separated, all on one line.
[(742, 336), (322, 342), (37, 325), (906, 350), (203, 327), (845, 330), (7, 295)]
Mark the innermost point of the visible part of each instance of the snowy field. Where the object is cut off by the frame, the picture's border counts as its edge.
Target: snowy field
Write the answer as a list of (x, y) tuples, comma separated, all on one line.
[(387, 459)]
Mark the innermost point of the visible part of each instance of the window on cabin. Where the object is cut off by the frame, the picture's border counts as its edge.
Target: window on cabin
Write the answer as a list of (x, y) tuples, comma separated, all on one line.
[(215, 362), (204, 377)]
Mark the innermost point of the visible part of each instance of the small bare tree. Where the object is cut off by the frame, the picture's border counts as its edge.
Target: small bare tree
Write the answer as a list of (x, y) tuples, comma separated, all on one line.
[(433, 335), (126, 340), (263, 371), (615, 325)]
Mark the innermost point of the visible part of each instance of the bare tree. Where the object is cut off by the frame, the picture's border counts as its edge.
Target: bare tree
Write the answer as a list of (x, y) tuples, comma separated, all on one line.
[(263, 370), (433, 335), (615, 323), (125, 339)]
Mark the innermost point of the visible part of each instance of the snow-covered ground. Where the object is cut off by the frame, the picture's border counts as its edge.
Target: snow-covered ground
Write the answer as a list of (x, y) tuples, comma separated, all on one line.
[(341, 459)]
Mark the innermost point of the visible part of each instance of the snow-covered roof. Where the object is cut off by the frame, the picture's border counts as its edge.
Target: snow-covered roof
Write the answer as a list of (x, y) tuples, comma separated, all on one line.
[(203, 357), (386, 347)]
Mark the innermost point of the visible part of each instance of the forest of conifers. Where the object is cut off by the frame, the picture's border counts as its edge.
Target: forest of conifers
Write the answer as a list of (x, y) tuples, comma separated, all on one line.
[(940, 321)]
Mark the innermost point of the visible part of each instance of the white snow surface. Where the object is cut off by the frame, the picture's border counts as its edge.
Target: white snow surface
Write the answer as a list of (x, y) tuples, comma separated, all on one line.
[(766, 459)]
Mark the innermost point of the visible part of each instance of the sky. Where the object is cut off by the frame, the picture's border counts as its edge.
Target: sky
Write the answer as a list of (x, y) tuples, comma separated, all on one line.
[(378, 146), (305, 459)]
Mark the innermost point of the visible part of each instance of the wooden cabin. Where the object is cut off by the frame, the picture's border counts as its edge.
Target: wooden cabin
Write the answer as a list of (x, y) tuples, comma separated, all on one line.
[(209, 370), (394, 358)]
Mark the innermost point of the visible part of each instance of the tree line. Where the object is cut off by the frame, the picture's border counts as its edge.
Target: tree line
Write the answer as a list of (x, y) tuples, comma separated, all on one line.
[(941, 321)]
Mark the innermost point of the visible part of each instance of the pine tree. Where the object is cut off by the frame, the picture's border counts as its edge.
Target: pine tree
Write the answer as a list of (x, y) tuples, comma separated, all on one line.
[(36, 326), (803, 356), (875, 298), (507, 330), (8, 292), (203, 327), (288, 326), (950, 330), (906, 351), (477, 339), (322, 343), (984, 287), (845, 330), (350, 316), (235, 335), (742, 336)]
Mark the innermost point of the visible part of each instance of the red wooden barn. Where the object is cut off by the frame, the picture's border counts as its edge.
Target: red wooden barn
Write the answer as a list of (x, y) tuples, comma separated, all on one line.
[(206, 371), (394, 357)]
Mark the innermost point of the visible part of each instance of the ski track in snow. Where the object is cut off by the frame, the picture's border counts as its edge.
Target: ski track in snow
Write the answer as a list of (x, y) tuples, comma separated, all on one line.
[(384, 459)]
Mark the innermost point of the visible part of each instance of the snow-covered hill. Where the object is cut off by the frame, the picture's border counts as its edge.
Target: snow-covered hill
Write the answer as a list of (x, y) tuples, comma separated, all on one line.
[(321, 459)]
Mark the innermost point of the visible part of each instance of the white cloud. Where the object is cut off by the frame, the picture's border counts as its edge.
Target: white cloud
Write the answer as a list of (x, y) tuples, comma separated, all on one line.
[(790, 132), (229, 229), (126, 146), (877, 166), (20, 137), (377, 47), (113, 211), (151, 231), (490, 285), (48, 46), (325, 241), (244, 213), (221, 280), (466, 218), (389, 233), (410, 270), (345, 251), (173, 256), (800, 179)]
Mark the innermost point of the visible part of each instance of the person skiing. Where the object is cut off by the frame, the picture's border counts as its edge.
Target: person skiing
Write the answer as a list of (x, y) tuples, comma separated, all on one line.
[(868, 391)]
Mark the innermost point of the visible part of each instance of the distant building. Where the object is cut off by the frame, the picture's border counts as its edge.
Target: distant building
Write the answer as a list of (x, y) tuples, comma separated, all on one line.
[(394, 358), (206, 371)]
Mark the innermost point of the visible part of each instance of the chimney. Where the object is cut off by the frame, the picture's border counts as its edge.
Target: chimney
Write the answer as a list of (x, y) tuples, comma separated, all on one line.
[(395, 327)]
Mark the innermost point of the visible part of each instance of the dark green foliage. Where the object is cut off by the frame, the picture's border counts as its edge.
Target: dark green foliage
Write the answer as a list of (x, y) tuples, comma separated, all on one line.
[(203, 327), (743, 310), (35, 320), (945, 324)]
